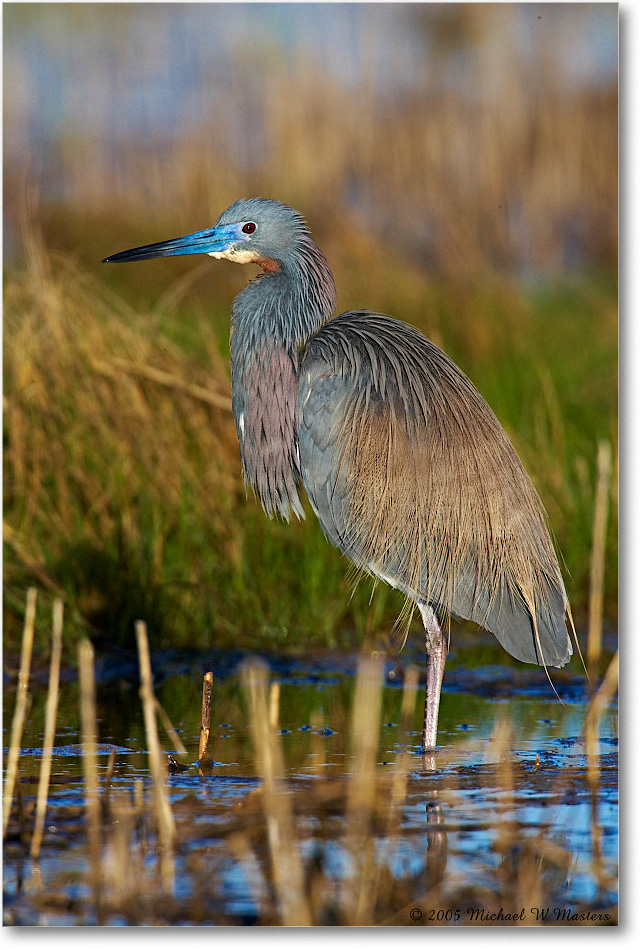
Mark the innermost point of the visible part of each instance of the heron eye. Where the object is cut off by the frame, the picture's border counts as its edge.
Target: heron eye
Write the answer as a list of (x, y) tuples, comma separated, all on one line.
[(249, 228)]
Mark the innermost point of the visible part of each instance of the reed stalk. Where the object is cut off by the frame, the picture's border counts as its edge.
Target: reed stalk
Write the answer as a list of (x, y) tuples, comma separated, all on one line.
[(126, 869), (109, 774), (163, 812), (360, 895), (163, 379), (50, 727), (598, 553), (501, 754), (594, 714), (275, 696), (402, 764), (139, 812), (89, 741), (399, 785), (285, 857), (23, 701)]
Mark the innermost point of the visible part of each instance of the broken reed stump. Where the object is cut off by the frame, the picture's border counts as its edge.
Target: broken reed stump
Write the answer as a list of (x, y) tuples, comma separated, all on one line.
[(204, 755)]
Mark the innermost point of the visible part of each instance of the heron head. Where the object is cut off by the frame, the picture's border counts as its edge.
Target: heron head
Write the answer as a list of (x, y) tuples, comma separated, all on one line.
[(252, 230)]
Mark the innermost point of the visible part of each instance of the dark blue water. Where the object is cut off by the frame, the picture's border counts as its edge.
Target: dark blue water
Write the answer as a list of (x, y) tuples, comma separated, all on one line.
[(453, 810)]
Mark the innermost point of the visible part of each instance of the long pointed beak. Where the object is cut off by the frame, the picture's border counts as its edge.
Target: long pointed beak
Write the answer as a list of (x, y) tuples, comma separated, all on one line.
[(211, 241)]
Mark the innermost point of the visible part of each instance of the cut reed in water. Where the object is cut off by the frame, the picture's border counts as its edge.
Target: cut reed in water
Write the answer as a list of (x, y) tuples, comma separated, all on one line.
[(204, 754)]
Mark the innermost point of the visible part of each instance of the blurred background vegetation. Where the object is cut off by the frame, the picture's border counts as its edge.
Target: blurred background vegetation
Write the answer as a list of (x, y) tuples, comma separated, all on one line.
[(458, 166)]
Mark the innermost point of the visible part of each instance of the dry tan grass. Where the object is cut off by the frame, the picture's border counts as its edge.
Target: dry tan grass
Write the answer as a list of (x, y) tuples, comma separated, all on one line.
[(520, 171), (108, 424), (118, 443)]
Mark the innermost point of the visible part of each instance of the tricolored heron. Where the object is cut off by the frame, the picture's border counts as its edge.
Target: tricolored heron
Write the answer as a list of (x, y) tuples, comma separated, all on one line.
[(406, 466)]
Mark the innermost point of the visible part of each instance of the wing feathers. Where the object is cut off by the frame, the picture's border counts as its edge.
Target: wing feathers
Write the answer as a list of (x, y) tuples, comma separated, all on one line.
[(416, 481)]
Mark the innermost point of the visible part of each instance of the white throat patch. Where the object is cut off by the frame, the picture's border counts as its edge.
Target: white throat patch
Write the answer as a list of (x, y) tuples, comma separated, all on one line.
[(237, 254)]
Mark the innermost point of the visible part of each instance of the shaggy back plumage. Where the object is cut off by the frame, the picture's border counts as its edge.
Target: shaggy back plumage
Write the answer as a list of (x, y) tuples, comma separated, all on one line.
[(436, 500)]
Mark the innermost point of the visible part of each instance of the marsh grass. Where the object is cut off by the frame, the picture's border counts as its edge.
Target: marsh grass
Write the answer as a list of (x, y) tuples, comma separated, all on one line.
[(123, 490)]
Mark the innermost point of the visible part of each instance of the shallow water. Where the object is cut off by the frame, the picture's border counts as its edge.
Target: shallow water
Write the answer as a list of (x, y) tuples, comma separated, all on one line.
[(448, 858)]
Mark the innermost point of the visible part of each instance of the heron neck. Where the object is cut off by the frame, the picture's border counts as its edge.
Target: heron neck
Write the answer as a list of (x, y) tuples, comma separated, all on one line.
[(272, 318), (286, 305)]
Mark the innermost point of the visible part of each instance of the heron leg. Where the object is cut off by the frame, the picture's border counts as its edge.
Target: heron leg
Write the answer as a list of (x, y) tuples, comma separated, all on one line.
[(436, 650)]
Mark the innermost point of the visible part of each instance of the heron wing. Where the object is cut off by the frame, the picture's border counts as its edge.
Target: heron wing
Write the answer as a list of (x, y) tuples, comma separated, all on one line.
[(413, 478)]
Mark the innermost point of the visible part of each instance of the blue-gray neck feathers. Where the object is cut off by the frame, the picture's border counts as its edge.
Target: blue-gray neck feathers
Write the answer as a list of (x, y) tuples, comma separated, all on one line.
[(272, 319)]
